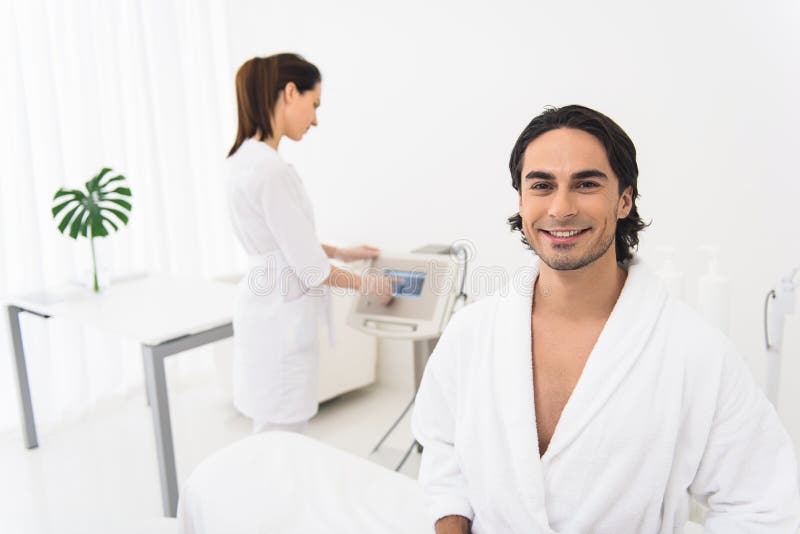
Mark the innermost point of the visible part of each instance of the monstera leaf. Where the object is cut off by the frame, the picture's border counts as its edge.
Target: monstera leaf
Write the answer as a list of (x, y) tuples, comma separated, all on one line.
[(103, 206)]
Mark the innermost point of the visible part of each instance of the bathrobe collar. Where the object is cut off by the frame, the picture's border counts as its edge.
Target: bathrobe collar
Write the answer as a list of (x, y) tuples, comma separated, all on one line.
[(619, 345)]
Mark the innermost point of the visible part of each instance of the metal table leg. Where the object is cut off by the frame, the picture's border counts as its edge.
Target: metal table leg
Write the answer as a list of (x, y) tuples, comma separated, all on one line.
[(159, 407), (23, 387), (146, 389), (156, 384)]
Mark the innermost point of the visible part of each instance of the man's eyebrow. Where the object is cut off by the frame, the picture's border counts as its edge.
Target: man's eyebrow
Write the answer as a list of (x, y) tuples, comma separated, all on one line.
[(541, 175), (589, 173)]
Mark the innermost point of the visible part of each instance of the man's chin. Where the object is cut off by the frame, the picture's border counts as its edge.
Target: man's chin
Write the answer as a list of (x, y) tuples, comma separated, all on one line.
[(571, 260), (563, 264)]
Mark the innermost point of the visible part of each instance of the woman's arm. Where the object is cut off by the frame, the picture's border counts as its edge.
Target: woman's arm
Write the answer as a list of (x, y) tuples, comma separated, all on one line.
[(343, 278), (362, 252), (330, 250), (370, 284)]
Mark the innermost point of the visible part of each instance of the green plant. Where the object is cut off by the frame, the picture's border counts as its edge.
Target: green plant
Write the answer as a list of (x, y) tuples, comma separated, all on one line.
[(90, 211)]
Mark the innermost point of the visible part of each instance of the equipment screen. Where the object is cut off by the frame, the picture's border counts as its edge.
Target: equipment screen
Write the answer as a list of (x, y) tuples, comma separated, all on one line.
[(407, 283)]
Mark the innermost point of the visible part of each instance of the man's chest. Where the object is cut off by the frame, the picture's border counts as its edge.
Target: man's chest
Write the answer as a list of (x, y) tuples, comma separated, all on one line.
[(559, 354)]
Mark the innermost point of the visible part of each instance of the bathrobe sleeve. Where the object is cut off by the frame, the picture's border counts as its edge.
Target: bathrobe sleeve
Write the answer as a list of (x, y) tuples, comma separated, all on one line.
[(748, 475), (292, 225), (434, 422)]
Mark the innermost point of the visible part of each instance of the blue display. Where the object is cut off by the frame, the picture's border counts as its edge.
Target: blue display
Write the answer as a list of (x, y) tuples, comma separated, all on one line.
[(407, 283)]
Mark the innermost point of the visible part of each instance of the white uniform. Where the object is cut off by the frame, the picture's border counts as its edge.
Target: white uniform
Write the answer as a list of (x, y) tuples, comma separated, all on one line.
[(665, 408), (280, 302)]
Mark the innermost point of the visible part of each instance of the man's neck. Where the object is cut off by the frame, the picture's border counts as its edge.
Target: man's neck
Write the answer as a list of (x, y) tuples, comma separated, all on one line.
[(583, 294)]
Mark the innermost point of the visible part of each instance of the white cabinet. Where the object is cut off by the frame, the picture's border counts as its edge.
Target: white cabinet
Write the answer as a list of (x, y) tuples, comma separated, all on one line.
[(349, 364)]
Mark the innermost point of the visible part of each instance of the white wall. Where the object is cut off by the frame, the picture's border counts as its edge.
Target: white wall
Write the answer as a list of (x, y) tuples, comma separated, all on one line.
[(422, 102)]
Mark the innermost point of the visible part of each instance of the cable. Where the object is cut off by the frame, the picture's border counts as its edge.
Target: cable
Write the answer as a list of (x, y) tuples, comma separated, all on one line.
[(772, 293), (766, 311), (463, 255)]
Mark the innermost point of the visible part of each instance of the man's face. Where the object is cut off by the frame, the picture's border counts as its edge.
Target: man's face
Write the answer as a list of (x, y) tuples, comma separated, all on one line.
[(569, 199)]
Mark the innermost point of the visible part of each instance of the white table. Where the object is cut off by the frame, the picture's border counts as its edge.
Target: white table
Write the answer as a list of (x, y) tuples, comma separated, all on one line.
[(165, 314)]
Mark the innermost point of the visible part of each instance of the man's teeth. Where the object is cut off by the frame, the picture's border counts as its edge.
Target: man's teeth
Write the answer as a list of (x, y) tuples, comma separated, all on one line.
[(565, 234)]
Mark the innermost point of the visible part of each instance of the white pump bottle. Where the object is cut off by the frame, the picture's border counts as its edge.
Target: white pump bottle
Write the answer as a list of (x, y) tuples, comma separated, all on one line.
[(670, 275), (713, 293)]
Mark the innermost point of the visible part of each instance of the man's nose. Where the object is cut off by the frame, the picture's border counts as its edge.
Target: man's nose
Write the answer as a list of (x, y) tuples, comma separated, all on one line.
[(562, 205)]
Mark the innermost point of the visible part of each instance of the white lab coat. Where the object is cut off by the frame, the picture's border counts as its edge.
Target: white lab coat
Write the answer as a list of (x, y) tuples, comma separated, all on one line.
[(280, 301), (665, 408)]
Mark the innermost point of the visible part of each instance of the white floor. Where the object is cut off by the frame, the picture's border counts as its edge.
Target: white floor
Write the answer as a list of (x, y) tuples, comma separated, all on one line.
[(99, 475)]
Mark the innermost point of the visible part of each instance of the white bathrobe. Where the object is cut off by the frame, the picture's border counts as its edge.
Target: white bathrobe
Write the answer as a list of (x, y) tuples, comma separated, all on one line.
[(665, 408)]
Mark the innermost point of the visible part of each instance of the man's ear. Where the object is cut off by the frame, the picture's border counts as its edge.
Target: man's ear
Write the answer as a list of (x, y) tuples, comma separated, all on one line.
[(625, 204)]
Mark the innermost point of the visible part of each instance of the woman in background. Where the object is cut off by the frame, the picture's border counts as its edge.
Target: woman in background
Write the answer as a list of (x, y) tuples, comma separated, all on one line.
[(279, 304)]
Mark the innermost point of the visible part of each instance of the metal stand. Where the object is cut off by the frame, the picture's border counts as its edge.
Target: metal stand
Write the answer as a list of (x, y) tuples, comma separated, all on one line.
[(422, 351)]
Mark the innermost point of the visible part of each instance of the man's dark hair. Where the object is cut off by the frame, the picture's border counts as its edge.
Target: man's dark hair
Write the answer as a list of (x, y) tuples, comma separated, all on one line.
[(621, 155)]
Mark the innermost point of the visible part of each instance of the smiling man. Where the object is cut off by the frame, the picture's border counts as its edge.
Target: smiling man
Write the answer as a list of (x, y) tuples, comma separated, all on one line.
[(590, 401)]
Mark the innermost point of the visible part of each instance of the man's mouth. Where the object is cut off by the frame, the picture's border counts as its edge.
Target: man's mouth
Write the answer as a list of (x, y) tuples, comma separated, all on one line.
[(564, 235)]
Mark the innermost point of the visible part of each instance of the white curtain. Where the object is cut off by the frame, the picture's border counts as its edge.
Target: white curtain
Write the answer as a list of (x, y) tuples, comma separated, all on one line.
[(144, 87)]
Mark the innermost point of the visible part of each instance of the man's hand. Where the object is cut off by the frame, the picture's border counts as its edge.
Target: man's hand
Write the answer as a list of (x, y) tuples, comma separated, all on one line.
[(453, 524)]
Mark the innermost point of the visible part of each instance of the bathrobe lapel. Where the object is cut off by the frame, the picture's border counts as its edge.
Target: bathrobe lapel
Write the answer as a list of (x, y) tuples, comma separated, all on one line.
[(617, 349), (513, 387)]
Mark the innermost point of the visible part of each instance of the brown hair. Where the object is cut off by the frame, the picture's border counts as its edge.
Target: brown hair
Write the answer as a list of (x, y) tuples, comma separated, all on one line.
[(259, 81)]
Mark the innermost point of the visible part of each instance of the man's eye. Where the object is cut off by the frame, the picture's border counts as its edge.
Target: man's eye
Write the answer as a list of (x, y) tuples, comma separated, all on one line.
[(540, 186), (588, 184)]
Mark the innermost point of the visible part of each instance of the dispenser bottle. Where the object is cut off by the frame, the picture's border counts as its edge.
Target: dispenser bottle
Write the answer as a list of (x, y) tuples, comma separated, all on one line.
[(713, 293), (670, 275)]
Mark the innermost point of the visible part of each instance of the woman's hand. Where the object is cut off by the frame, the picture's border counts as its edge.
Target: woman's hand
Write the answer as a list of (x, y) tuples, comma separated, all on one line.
[(379, 286), (363, 252)]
